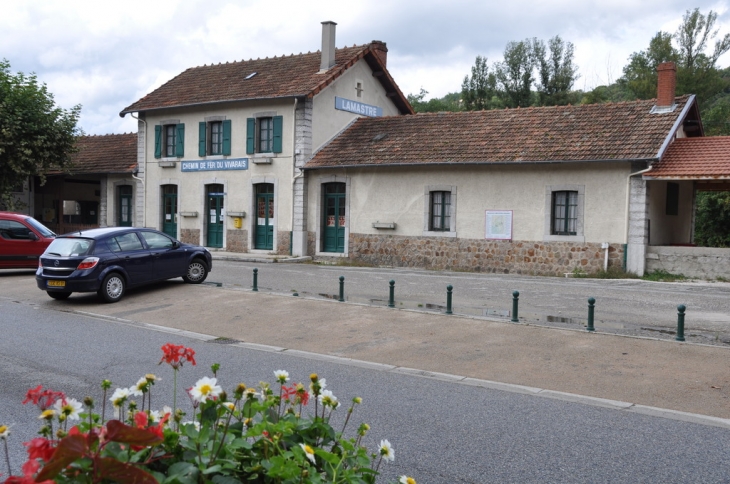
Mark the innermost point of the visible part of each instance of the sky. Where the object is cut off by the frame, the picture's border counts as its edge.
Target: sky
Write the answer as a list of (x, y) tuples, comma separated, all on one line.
[(107, 55)]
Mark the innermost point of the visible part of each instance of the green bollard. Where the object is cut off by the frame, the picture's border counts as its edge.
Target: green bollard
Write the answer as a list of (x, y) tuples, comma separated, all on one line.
[(515, 303), (680, 322), (591, 307), (255, 280), (391, 299), (342, 289), (449, 288)]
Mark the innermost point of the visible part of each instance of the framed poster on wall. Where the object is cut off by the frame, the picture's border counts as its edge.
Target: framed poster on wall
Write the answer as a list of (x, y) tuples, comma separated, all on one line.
[(499, 224)]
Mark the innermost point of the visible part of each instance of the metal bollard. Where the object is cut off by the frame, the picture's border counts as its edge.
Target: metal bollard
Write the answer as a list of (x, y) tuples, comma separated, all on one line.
[(515, 303), (342, 289), (591, 307), (680, 322), (255, 280), (449, 288), (391, 299)]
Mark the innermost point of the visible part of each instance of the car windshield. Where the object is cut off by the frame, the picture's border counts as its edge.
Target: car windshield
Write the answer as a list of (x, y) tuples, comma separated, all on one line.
[(45, 231), (69, 246)]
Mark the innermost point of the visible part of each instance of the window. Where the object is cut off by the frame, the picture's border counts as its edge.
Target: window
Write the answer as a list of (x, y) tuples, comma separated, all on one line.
[(169, 140), (125, 242), (214, 137), (264, 134), (440, 211), (12, 230), (564, 213), (157, 241)]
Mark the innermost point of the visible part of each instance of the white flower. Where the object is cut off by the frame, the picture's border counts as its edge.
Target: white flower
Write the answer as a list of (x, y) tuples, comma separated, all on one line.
[(406, 480), (322, 385), (308, 452), (4, 431), (386, 450), (205, 389), (155, 415), (139, 388), (70, 409), (282, 376), (119, 396), (193, 423), (229, 405), (328, 399)]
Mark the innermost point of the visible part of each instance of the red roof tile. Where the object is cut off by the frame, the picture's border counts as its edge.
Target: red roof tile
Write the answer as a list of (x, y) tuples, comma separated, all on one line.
[(276, 77), (109, 153), (694, 158), (615, 131)]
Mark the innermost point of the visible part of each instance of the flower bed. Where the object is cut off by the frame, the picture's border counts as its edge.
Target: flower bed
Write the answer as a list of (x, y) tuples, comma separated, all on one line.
[(256, 435)]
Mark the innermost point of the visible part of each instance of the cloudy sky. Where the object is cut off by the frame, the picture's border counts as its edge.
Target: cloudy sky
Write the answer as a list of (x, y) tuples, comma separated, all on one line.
[(106, 55)]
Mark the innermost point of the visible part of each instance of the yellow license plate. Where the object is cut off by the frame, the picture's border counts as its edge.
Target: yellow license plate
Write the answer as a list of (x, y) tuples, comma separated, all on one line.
[(56, 283)]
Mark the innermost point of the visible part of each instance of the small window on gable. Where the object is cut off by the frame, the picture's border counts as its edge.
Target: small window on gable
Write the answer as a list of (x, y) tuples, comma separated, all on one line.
[(359, 89), (264, 134)]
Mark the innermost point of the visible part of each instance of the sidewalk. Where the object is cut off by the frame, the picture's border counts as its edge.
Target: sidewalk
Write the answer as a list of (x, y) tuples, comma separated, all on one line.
[(262, 257)]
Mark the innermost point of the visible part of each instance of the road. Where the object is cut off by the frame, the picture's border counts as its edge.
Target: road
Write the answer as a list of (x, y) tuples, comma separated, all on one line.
[(441, 431), (626, 306)]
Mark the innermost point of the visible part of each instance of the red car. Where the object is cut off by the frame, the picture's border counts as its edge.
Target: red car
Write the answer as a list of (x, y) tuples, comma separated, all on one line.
[(22, 240)]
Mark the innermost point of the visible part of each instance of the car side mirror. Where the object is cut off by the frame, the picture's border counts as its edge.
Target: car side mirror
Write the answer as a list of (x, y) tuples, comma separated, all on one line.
[(176, 245), (32, 236)]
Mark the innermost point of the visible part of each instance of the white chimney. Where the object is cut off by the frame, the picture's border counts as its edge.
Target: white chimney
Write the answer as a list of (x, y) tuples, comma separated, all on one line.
[(328, 45)]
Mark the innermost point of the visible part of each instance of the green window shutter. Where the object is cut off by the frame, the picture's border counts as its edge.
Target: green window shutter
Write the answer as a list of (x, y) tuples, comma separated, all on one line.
[(202, 127), (250, 135), (158, 141), (180, 140), (278, 124), (227, 137)]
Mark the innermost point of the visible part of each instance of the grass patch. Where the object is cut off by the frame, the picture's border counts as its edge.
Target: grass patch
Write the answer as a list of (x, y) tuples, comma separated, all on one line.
[(661, 275), (611, 273), (353, 263)]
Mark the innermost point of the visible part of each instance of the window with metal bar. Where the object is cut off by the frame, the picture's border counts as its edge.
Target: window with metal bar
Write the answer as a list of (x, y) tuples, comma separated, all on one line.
[(440, 213), (564, 213)]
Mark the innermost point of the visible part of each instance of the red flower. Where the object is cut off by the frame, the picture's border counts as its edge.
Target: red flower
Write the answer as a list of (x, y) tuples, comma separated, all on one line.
[(29, 469), (141, 420), (40, 448), (288, 392), (176, 355), (43, 398)]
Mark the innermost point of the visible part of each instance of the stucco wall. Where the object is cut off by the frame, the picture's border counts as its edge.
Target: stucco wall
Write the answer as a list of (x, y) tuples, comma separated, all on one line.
[(330, 121), (670, 229), (700, 262)]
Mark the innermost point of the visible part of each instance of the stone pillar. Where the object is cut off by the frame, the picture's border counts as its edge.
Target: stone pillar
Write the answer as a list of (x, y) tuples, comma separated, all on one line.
[(140, 195), (302, 154), (638, 225)]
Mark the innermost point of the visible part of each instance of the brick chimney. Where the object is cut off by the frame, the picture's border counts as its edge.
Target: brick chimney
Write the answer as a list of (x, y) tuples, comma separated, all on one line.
[(666, 85), (380, 50), (328, 45)]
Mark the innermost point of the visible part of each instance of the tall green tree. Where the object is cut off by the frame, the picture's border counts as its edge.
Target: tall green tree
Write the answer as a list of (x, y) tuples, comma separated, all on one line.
[(556, 70), (35, 135), (450, 102), (712, 227), (640, 74), (479, 90), (515, 74)]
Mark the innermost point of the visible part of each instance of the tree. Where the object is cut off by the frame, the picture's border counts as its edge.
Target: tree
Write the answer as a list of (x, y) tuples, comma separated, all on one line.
[(712, 223), (35, 135), (640, 74), (450, 102), (479, 90), (515, 73), (557, 72)]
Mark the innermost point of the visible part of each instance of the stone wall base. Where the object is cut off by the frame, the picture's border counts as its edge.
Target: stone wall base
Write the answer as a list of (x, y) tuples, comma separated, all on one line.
[(190, 236), (478, 255), (698, 262), (283, 242), (236, 240)]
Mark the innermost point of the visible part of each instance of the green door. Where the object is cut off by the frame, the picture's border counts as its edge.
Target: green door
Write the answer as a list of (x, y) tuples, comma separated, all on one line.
[(214, 216), (125, 206), (334, 217), (264, 216), (169, 210)]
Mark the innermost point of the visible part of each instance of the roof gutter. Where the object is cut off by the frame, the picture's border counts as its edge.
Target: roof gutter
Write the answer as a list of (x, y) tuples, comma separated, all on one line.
[(480, 163)]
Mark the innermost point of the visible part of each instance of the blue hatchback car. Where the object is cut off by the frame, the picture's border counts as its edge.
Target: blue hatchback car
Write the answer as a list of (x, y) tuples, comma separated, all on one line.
[(110, 260)]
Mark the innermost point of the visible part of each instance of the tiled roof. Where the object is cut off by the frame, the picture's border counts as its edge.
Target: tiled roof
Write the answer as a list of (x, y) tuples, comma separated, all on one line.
[(109, 153), (275, 77), (694, 158), (614, 131)]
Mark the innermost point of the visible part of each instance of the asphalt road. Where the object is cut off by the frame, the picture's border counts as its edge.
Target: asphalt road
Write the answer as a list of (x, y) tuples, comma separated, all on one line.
[(442, 432), (626, 306)]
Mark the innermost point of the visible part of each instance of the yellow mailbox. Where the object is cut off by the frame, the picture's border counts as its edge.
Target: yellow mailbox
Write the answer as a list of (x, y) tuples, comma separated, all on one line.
[(237, 222)]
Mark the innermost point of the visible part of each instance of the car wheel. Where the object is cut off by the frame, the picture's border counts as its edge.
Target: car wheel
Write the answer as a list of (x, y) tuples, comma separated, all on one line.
[(112, 289), (197, 272), (59, 295)]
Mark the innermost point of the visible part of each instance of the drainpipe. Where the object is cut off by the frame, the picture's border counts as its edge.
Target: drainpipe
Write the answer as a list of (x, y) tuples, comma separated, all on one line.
[(144, 161), (294, 175), (605, 246)]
